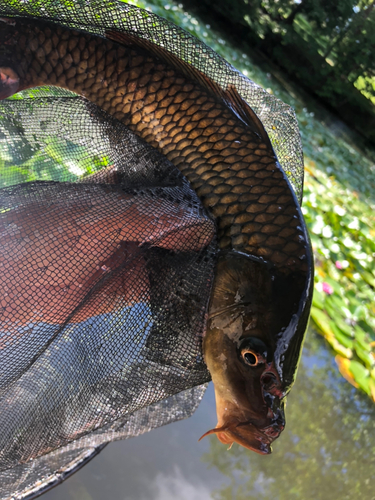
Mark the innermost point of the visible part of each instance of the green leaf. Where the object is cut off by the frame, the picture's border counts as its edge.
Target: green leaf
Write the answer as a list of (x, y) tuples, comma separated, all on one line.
[(361, 375), (341, 337), (369, 278), (344, 327), (318, 299), (364, 355)]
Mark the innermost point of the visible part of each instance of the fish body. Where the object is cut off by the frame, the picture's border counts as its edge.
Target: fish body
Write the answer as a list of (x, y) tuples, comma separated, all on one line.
[(261, 294)]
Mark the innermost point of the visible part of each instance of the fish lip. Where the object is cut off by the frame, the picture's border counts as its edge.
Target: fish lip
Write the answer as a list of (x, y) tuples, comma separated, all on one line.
[(258, 441), (265, 435), (273, 431), (261, 438)]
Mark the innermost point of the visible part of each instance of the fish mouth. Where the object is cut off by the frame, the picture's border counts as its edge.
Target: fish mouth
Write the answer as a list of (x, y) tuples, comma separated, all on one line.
[(248, 435), (253, 428), (9, 82)]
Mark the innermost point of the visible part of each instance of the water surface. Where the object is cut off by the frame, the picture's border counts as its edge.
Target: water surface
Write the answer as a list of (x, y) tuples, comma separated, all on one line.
[(326, 452)]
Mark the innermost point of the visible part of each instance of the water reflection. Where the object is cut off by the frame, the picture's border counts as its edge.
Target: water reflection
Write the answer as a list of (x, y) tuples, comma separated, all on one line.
[(327, 451)]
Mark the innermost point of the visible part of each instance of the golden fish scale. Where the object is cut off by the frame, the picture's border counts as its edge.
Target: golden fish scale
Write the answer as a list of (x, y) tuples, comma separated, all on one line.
[(229, 166)]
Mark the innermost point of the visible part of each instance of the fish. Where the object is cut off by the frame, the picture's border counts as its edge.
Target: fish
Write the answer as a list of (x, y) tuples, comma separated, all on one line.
[(261, 294)]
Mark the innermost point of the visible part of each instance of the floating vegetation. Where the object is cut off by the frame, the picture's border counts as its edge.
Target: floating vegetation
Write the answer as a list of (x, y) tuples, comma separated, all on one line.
[(342, 229)]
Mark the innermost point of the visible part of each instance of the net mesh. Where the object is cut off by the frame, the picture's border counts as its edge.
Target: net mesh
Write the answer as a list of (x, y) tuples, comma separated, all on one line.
[(104, 295), (106, 263), (29, 480), (98, 17)]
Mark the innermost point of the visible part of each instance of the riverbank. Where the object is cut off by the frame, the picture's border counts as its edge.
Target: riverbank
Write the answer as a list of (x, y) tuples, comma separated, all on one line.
[(292, 48)]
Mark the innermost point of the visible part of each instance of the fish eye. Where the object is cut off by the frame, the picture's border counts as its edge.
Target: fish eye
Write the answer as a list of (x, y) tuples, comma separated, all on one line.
[(253, 351), (250, 357)]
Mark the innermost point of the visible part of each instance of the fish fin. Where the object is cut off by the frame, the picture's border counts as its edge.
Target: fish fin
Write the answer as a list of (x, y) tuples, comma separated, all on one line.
[(240, 107), (231, 97)]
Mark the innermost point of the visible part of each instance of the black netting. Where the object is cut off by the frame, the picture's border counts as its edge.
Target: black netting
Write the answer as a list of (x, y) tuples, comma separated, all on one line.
[(106, 262), (128, 336), (27, 481), (98, 17)]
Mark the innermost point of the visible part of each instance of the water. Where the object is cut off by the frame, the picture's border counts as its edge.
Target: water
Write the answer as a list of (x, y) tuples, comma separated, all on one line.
[(327, 451)]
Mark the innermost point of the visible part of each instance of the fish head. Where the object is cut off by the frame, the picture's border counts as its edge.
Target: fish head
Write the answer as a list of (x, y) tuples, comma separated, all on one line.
[(257, 320)]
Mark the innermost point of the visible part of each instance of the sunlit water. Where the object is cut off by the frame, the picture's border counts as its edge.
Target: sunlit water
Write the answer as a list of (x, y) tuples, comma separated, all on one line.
[(326, 452)]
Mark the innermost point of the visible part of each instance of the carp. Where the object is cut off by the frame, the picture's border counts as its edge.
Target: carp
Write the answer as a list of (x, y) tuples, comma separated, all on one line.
[(261, 295)]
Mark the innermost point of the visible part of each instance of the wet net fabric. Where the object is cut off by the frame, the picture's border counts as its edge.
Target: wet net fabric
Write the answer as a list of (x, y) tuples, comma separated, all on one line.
[(106, 263), (27, 481)]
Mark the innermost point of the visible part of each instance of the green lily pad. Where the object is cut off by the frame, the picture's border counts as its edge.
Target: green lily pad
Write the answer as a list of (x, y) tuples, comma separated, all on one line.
[(361, 376)]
